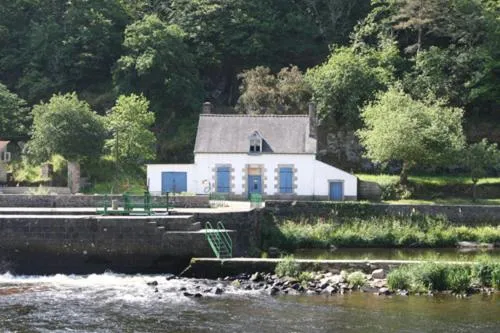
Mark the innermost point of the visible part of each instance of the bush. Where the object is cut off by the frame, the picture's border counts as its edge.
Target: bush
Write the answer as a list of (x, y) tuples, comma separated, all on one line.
[(431, 275), (483, 272), (356, 279), (458, 279), (495, 277), (399, 279), (288, 266)]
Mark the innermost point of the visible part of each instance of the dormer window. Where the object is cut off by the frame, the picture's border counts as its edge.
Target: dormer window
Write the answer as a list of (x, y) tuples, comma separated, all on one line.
[(255, 143), (255, 146)]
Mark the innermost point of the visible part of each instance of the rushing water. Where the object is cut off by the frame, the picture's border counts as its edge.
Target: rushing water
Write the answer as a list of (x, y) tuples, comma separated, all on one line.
[(125, 303), (448, 254)]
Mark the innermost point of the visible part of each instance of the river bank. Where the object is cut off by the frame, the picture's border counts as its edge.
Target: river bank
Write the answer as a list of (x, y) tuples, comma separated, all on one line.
[(127, 303)]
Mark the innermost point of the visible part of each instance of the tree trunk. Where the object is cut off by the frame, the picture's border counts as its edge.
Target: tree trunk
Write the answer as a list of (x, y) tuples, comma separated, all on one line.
[(74, 176), (474, 190), (403, 177)]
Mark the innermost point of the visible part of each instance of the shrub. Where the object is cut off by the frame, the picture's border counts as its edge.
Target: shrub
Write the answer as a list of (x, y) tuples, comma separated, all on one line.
[(458, 279), (431, 275), (483, 272), (399, 278), (495, 277), (288, 266), (356, 279)]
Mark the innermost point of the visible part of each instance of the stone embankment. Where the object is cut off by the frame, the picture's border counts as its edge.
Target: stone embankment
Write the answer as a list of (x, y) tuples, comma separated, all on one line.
[(321, 283)]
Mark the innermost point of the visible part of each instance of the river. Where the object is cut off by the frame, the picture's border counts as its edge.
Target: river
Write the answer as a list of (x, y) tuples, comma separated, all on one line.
[(126, 303)]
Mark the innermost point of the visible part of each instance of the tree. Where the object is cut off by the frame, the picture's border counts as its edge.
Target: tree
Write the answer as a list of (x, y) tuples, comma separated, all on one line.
[(158, 63), (418, 15), (68, 127), (349, 78), (130, 122), (478, 158), (397, 127), (14, 115), (263, 92)]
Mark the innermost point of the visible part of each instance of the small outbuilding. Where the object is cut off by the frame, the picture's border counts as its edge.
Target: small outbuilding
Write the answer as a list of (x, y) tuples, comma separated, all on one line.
[(273, 155)]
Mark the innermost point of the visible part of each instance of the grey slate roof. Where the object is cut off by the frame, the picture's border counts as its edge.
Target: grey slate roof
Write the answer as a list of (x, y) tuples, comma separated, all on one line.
[(282, 134)]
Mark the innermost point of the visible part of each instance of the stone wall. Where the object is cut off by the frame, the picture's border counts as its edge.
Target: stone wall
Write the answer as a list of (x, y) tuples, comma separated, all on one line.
[(31, 190), (20, 200), (79, 244), (459, 214)]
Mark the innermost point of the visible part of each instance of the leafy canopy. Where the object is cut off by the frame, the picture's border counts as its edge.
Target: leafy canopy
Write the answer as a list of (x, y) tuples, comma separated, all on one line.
[(14, 115), (68, 127), (130, 121), (481, 156), (350, 77), (397, 127), (263, 92)]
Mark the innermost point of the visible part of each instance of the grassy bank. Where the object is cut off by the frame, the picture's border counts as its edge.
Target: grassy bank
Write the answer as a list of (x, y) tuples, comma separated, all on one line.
[(380, 231), (436, 189), (440, 277)]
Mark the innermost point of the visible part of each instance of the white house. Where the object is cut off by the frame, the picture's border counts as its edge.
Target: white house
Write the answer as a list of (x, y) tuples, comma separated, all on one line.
[(274, 155)]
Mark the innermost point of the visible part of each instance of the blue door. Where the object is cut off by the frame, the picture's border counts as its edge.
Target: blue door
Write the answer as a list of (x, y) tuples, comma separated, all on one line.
[(174, 182), (337, 191), (223, 180), (254, 184)]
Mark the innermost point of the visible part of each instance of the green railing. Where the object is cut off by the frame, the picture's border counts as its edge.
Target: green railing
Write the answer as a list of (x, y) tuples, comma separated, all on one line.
[(135, 205), (219, 240)]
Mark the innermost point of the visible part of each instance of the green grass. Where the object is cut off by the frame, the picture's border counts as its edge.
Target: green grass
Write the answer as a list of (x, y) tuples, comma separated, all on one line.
[(427, 180), (381, 231), (443, 276), (445, 201)]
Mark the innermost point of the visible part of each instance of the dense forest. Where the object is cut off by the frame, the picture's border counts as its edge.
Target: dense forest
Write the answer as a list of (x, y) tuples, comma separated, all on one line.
[(263, 56)]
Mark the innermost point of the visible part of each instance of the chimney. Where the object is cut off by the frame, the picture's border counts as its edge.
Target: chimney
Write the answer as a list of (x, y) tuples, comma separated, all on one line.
[(313, 121), (207, 108)]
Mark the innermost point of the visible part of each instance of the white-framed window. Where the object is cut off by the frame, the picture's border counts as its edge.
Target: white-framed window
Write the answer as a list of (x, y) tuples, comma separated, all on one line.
[(255, 143)]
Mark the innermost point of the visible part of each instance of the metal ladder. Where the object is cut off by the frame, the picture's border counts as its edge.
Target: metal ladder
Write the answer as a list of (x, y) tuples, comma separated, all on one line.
[(219, 240)]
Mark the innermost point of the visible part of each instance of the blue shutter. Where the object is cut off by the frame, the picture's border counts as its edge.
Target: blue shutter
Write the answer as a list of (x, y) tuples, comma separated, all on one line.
[(286, 180), (223, 182), (174, 182)]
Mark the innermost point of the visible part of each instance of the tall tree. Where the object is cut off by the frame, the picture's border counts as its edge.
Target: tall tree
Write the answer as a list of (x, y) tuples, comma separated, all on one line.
[(158, 64), (263, 92), (349, 78), (68, 127), (130, 121), (397, 127), (478, 158), (15, 115)]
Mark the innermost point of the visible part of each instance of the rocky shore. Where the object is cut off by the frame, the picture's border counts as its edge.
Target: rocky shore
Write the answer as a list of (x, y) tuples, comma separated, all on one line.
[(317, 283)]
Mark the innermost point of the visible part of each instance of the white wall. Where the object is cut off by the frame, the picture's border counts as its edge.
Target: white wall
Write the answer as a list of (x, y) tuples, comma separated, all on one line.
[(154, 175), (324, 173), (312, 176)]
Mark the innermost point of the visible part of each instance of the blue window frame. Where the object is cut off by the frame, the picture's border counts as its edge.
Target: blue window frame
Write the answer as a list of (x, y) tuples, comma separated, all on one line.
[(223, 180), (286, 180)]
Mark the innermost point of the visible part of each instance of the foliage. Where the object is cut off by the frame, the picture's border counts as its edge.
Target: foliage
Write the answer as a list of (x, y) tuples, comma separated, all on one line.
[(459, 279), (415, 132), (14, 115), (356, 279), (481, 156), (399, 279), (158, 63), (66, 126), (379, 231), (349, 78), (263, 92), (288, 266), (130, 121)]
